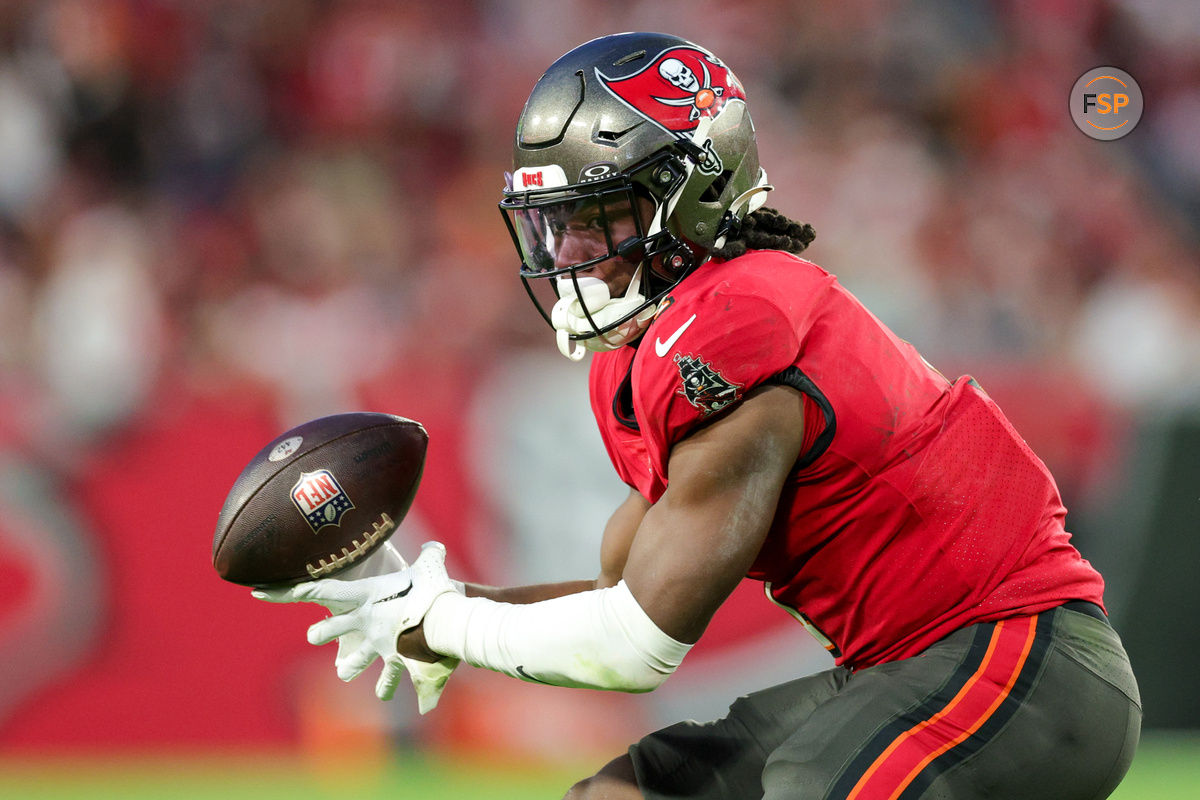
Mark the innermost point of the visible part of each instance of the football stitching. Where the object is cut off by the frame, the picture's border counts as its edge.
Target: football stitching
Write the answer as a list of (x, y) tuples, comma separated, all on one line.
[(351, 554)]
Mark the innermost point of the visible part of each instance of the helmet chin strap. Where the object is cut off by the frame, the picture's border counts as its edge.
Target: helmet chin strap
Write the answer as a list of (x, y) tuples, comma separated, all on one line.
[(569, 318)]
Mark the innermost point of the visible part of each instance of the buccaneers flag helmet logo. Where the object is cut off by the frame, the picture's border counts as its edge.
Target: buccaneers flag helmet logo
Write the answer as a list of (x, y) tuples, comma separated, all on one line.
[(677, 88)]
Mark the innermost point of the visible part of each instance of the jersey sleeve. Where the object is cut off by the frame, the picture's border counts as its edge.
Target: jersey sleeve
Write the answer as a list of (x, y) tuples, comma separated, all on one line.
[(700, 359)]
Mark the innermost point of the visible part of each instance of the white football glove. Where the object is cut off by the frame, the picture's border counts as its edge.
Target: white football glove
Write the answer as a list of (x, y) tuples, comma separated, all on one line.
[(370, 612), (355, 655)]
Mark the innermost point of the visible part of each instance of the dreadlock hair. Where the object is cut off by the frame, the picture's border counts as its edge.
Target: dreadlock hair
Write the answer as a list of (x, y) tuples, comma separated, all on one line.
[(767, 229)]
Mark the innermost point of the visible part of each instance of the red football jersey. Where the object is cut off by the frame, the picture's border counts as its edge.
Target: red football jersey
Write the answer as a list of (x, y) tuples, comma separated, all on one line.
[(915, 508)]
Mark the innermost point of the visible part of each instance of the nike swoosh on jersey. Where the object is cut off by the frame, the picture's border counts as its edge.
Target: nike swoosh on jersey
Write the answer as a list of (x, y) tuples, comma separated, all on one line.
[(661, 348)]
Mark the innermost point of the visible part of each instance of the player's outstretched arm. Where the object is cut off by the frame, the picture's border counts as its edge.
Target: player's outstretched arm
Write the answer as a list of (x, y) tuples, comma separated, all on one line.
[(688, 553), (375, 617)]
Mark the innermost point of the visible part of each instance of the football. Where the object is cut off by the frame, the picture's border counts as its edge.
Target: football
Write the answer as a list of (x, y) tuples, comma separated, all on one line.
[(319, 499)]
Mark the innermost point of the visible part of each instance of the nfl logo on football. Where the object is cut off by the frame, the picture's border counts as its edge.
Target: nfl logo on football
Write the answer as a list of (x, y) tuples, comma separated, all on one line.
[(320, 499)]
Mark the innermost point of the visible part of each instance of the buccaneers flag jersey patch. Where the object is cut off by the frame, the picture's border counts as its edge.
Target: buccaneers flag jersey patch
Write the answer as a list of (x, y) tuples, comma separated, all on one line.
[(703, 386)]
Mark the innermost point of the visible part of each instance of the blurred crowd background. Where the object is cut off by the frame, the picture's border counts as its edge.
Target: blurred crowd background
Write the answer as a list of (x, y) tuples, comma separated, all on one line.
[(221, 218)]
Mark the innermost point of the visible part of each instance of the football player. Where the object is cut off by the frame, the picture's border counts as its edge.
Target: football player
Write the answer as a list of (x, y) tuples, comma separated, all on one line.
[(768, 426)]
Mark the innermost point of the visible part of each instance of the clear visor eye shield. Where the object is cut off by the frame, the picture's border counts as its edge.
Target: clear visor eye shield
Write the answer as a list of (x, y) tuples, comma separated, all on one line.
[(563, 231)]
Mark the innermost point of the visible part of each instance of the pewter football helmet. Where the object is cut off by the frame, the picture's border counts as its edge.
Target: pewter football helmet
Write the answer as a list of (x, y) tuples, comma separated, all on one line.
[(623, 117)]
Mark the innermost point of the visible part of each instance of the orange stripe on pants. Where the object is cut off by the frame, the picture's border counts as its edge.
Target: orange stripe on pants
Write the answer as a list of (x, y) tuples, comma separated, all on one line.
[(914, 749)]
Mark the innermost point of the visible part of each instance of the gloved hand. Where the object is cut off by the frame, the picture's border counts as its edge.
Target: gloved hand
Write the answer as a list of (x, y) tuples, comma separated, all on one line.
[(355, 655), (370, 612), (383, 561)]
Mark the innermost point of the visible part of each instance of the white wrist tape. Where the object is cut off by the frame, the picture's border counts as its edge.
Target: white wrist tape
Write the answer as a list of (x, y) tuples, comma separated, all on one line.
[(600, 639)]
